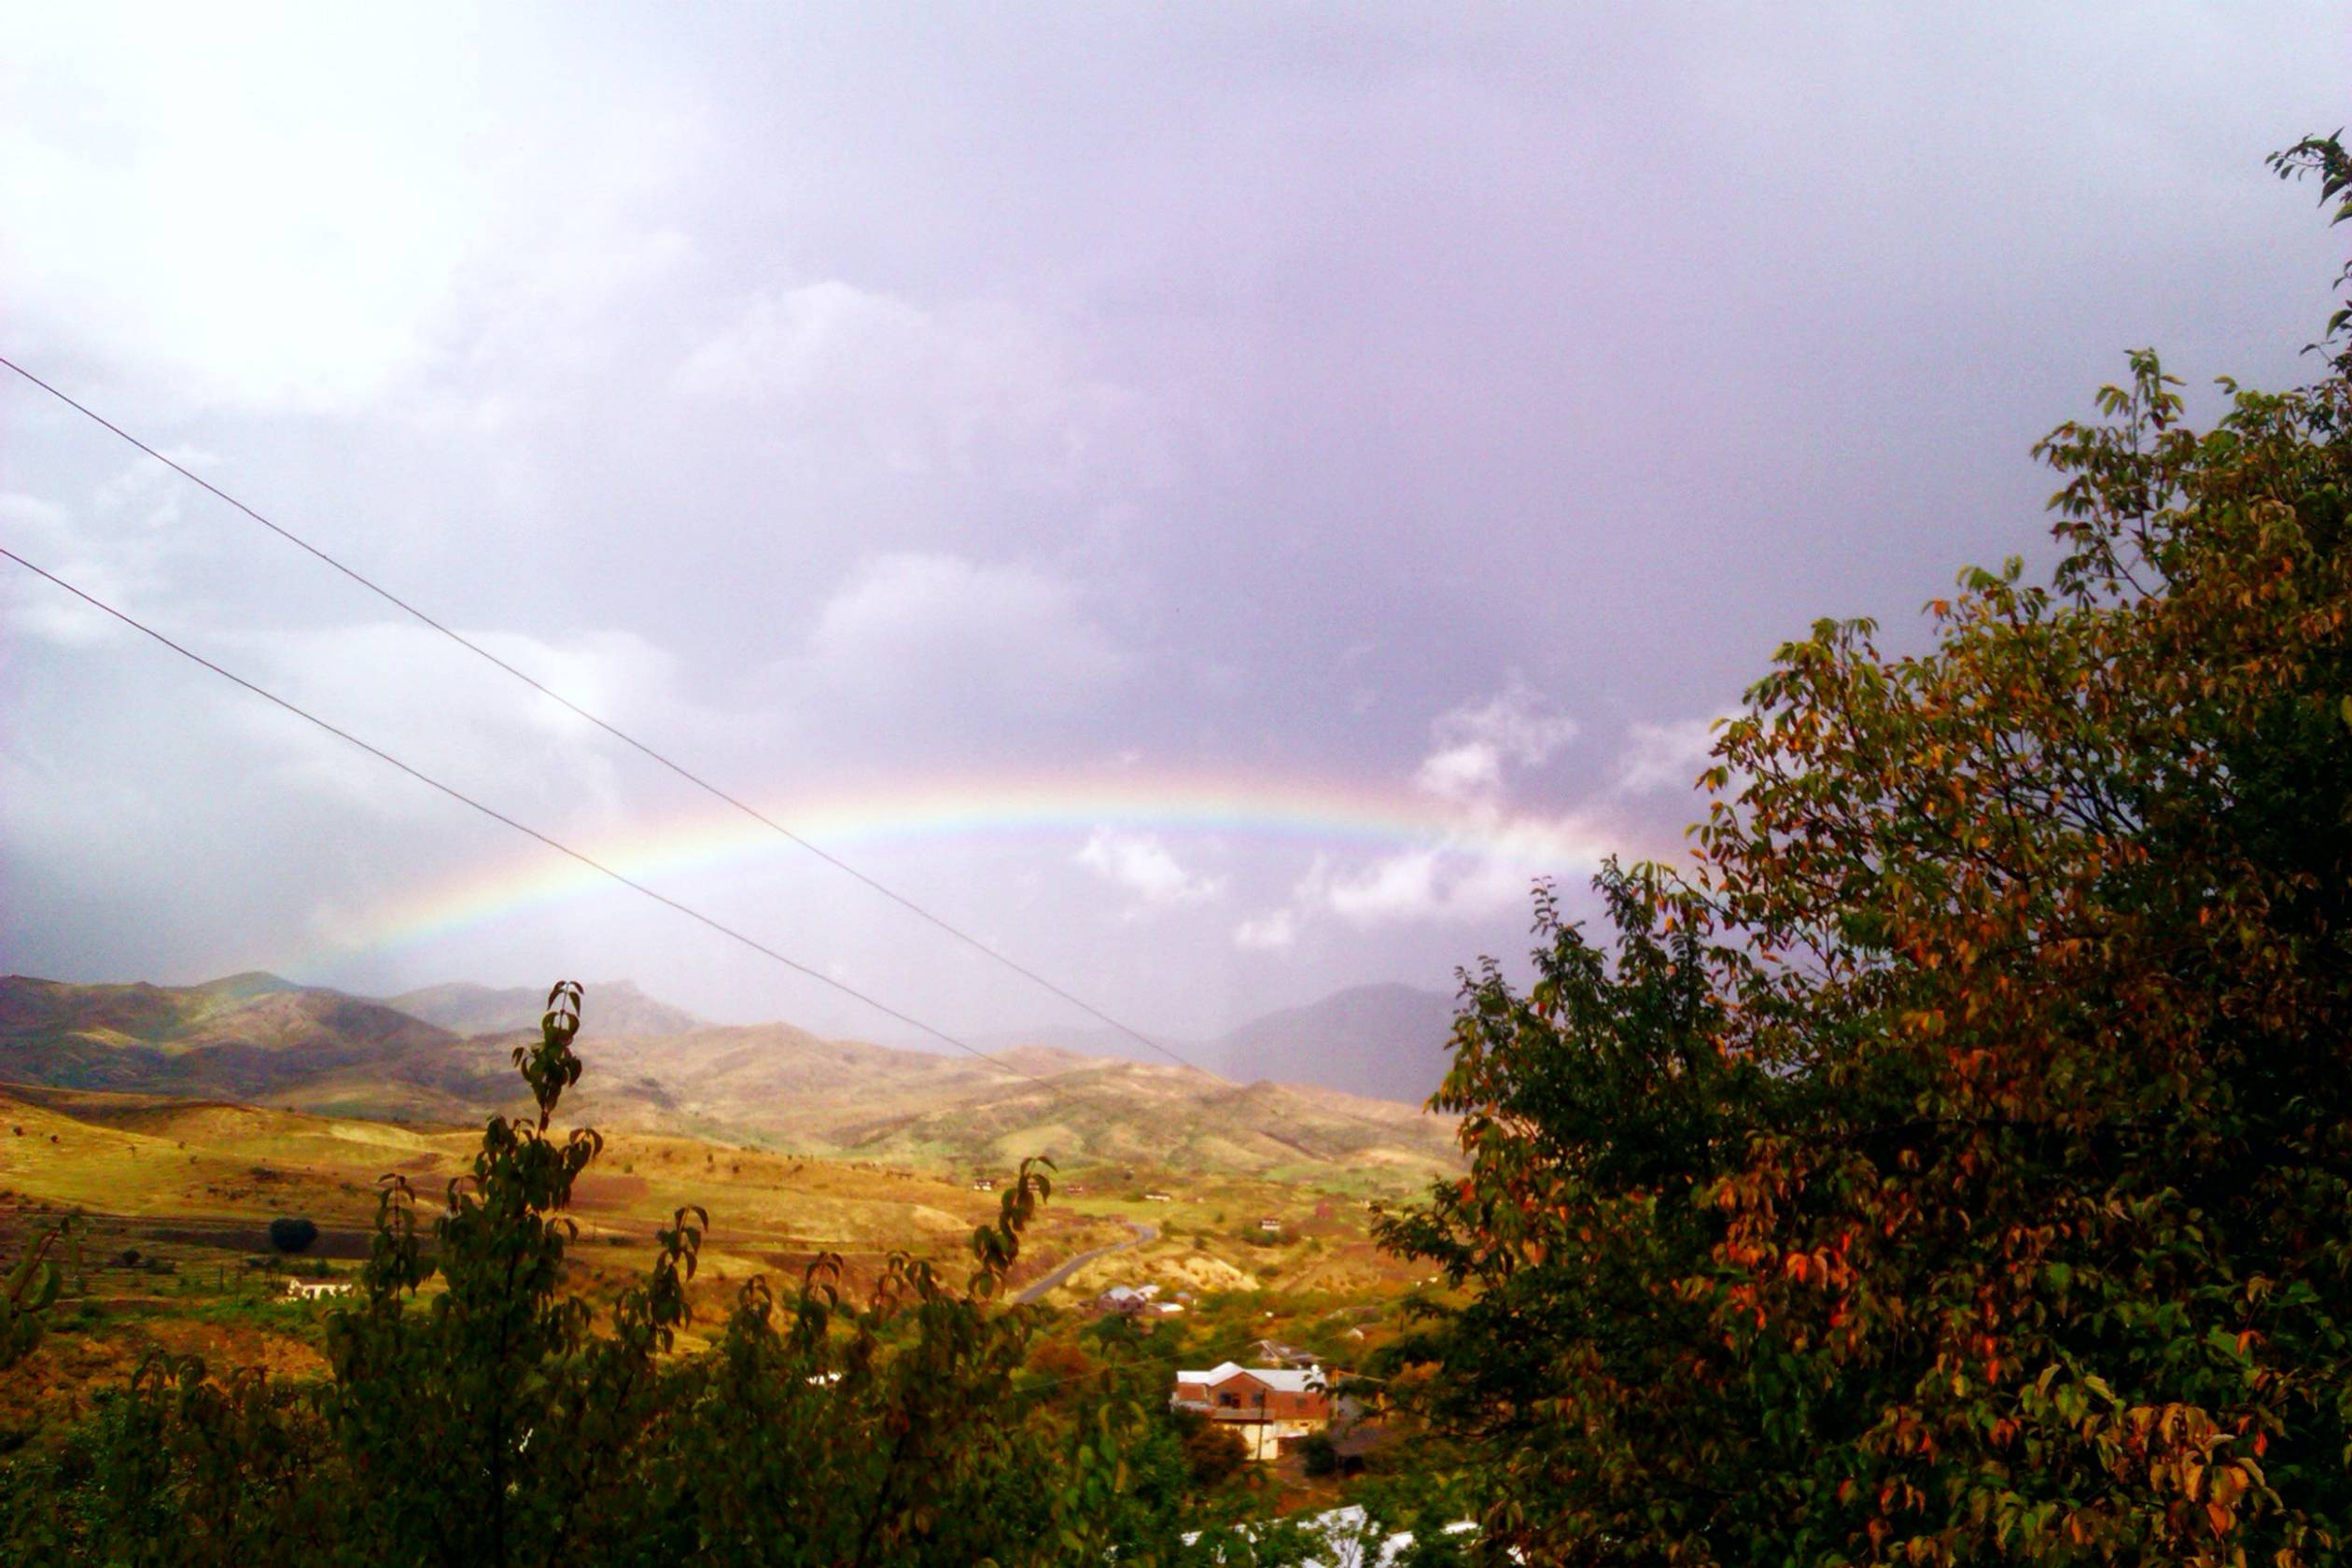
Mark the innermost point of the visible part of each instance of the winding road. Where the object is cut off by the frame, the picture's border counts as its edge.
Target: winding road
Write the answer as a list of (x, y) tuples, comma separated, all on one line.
[(1142, 1233)]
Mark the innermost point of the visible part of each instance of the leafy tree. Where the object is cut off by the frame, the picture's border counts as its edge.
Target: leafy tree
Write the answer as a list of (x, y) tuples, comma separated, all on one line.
[(31, 1289), (1954, 1168)]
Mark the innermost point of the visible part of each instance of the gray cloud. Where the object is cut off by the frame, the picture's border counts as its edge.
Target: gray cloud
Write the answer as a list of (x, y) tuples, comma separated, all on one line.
[(1384, 434)]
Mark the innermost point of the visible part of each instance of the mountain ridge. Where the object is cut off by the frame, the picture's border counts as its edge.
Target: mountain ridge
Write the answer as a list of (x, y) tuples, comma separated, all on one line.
[(464, 1007), (255, 1040)]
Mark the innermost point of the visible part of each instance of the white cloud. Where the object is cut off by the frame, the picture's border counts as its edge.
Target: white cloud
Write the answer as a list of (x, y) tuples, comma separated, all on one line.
[(1142, 865), (1475, 742), (1664, 756), (113, 564), (854, 374), (909, 627), (1269, 932), (1484, 852), (407, 689), (1481, 868), (1403, 885), (301, 211), (1463, 772)]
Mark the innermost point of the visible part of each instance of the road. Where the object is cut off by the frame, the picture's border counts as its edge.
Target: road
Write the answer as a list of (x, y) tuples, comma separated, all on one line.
[(1142, 1233)]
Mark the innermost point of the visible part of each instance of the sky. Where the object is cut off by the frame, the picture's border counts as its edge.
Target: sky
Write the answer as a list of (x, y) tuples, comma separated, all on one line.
[(1211, 500)]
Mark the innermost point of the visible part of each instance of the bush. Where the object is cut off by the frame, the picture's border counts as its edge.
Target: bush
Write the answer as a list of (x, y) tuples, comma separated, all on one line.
[(292, 1234), (1215, 1453), (1320, 1455)]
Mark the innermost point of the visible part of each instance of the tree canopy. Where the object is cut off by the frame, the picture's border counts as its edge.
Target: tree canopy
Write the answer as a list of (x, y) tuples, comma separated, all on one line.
[(1952, 1163)]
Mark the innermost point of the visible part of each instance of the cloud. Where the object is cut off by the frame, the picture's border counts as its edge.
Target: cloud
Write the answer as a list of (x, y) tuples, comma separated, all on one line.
[(1479, 870), (1669, 756), (847, 372), (115, 558), (1142, 865), (1464, 772), (927, 629), (1269, 932), (1484, 851), (411, 692), (370, 219), (1475, 742)]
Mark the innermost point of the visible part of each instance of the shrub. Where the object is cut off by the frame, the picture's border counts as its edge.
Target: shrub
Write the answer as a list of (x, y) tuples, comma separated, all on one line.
[(290, 1235)]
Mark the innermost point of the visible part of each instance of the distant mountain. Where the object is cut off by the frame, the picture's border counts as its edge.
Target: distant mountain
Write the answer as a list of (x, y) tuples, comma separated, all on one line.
[(259, 1039), (1079, 1039), (1385, 1042), (469, 1009)]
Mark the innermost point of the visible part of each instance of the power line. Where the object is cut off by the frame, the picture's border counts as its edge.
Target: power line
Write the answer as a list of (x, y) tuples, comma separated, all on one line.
[(683, 771), (679, 769), (528, 830)]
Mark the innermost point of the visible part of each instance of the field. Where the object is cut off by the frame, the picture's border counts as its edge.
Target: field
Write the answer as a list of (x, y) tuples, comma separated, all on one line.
[(176, 1197)]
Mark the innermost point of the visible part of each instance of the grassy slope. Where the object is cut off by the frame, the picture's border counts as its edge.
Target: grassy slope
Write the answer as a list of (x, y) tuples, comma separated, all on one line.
[(196, 1182)]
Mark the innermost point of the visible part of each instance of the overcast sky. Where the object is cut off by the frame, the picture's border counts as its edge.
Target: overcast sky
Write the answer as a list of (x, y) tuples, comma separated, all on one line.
[(1215, 499)]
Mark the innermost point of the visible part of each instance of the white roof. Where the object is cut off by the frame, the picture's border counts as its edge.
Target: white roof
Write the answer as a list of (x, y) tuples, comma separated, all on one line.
[(1302, 1381), (1131, 1293)]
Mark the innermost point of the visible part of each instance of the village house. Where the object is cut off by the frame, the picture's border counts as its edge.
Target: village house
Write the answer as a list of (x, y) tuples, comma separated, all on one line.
[(1271, 1226), (1267, 1407), (1134, 1301), (983, 1183), (1159, 1198), (1274, 1352)]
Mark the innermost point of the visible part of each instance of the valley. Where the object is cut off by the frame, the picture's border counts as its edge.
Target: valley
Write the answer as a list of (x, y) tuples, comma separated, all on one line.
[(176, 1123)]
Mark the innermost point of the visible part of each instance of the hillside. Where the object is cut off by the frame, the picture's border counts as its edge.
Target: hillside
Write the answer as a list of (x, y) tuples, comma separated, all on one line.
[(770, 1085), (246, 1037), (1388, 1042)]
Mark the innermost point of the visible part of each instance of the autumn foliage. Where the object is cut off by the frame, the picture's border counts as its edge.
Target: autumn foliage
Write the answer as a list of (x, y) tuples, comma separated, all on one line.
[(1953, 1164)]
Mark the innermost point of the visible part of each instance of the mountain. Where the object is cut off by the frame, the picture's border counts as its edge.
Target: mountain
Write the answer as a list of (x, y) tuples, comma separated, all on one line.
[(246, 1037), (1385, 1042), (465, 1008), (1378, 1042), (321, 1051)]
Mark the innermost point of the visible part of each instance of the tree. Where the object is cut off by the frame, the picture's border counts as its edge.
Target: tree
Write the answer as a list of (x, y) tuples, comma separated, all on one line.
[(1216, 1454), (31, 1289), (1954, 1168), (496, 1420), (290, 1235)]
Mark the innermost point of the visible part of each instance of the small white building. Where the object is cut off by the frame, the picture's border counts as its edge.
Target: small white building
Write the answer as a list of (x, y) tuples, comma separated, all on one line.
[(311, 1290)]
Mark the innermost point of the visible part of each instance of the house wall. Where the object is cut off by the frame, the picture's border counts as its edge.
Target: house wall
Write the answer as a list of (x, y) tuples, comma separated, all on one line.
[(1253, 1397)]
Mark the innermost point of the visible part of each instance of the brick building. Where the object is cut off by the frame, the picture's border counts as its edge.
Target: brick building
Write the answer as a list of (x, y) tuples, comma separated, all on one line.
[(1265, 1406)]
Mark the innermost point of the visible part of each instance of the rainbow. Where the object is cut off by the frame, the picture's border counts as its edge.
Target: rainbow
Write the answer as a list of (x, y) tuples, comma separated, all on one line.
[(1322, 814)]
